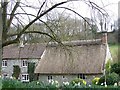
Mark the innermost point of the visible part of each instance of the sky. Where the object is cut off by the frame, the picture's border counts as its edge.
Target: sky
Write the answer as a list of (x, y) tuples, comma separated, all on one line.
[(111, 6)]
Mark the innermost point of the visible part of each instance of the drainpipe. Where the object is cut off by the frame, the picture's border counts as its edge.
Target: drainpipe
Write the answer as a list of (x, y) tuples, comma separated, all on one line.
[(105, 42)]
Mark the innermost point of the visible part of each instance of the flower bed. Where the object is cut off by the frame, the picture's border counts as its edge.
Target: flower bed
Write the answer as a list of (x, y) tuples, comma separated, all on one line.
[(12, 84)]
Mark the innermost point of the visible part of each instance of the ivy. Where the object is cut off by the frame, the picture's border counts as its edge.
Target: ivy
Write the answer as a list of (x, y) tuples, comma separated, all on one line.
[(31, 68), (16, 71)]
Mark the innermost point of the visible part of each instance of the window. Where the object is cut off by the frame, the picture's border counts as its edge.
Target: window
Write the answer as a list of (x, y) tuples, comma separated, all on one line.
[(24, 63), (82, 76), (25, 77), (49, 77), (63, 77), (4, 63)]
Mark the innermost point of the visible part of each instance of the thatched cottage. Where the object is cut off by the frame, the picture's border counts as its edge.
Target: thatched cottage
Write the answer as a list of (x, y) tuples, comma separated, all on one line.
[(77, 59), (20, 55)]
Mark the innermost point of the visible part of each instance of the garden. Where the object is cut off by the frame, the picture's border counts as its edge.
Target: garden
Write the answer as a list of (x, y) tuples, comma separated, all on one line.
[(110, 80)]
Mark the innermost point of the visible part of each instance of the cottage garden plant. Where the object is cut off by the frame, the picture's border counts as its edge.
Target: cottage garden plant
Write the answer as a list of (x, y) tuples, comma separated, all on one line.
[(52, 84)]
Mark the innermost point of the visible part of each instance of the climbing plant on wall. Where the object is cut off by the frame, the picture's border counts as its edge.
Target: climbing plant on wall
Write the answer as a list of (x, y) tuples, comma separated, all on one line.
[(31, 67), (16, 71)]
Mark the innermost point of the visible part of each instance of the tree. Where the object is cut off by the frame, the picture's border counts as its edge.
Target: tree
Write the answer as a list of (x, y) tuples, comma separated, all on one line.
[(11, 13), (7, 18)]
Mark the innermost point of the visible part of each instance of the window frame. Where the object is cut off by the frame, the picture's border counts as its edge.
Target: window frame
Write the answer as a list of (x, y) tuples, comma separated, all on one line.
[(24, 63), (4, 63), (25, 77), (50, 77), (82, 76)]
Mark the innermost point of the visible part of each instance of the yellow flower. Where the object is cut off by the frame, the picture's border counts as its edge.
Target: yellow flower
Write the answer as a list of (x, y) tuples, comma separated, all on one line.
[(84, 82)]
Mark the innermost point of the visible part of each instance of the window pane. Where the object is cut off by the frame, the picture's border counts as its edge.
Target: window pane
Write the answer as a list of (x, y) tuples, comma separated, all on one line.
[(49, 77), (4, 63), (24, 63)]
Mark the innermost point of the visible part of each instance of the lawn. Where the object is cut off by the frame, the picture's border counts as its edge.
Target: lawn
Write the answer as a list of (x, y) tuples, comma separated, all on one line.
[(115, 51)]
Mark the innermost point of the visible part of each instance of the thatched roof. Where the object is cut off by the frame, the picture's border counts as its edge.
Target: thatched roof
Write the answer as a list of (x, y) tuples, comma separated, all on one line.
[(28, 51), (87, 58)]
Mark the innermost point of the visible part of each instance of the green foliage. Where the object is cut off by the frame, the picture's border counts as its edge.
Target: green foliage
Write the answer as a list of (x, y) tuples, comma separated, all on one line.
[(31, 68), (11, 83), (53, 85), (115, 52), (78, 81), (95, 80), (110, 79), (16, 71), (108, 67), (35, 84), (0, 83), (116, 68), (67, 85)]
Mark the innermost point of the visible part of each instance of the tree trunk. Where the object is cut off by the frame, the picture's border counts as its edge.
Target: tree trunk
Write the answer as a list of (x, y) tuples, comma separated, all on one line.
[(0, 47)]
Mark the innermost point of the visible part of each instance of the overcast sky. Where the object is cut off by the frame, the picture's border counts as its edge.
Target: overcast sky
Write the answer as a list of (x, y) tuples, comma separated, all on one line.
[(111, 6)]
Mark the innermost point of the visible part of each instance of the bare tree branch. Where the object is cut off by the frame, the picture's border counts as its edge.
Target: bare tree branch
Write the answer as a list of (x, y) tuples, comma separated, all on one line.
[(42, 14), (12, 14), (75, 13), (41, 8)]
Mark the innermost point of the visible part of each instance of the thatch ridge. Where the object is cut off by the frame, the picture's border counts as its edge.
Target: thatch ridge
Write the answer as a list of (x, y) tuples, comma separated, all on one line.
[(76, 43)]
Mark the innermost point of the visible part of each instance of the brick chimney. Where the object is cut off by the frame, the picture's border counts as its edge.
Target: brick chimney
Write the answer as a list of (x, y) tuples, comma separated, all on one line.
[(104, 38)]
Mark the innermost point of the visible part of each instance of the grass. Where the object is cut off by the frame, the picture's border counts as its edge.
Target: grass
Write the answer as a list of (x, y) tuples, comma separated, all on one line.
[(115, 51)]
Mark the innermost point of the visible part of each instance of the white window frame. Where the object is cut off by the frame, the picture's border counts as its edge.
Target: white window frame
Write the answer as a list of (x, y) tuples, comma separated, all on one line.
[(4, 63), (25, 77), (24, 63)]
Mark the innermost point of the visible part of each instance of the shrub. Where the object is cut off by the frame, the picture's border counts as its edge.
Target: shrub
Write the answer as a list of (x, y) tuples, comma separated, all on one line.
[(0, 82), (11, 83), (16, 71), (15, 84), (78, 82), (95, 80), (53, 85), (35, 84), (110, 79), (116, 68), (31, 68), (108, 67)]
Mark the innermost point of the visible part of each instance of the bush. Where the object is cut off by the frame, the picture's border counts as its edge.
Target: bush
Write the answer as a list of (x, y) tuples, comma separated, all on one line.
[(53, 85), (16, 71), (31, 68), (116, 68), (35, 84), (67, 85), (95, 80), (11, 83), (108, 67), (78, 82), (110, 79)]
